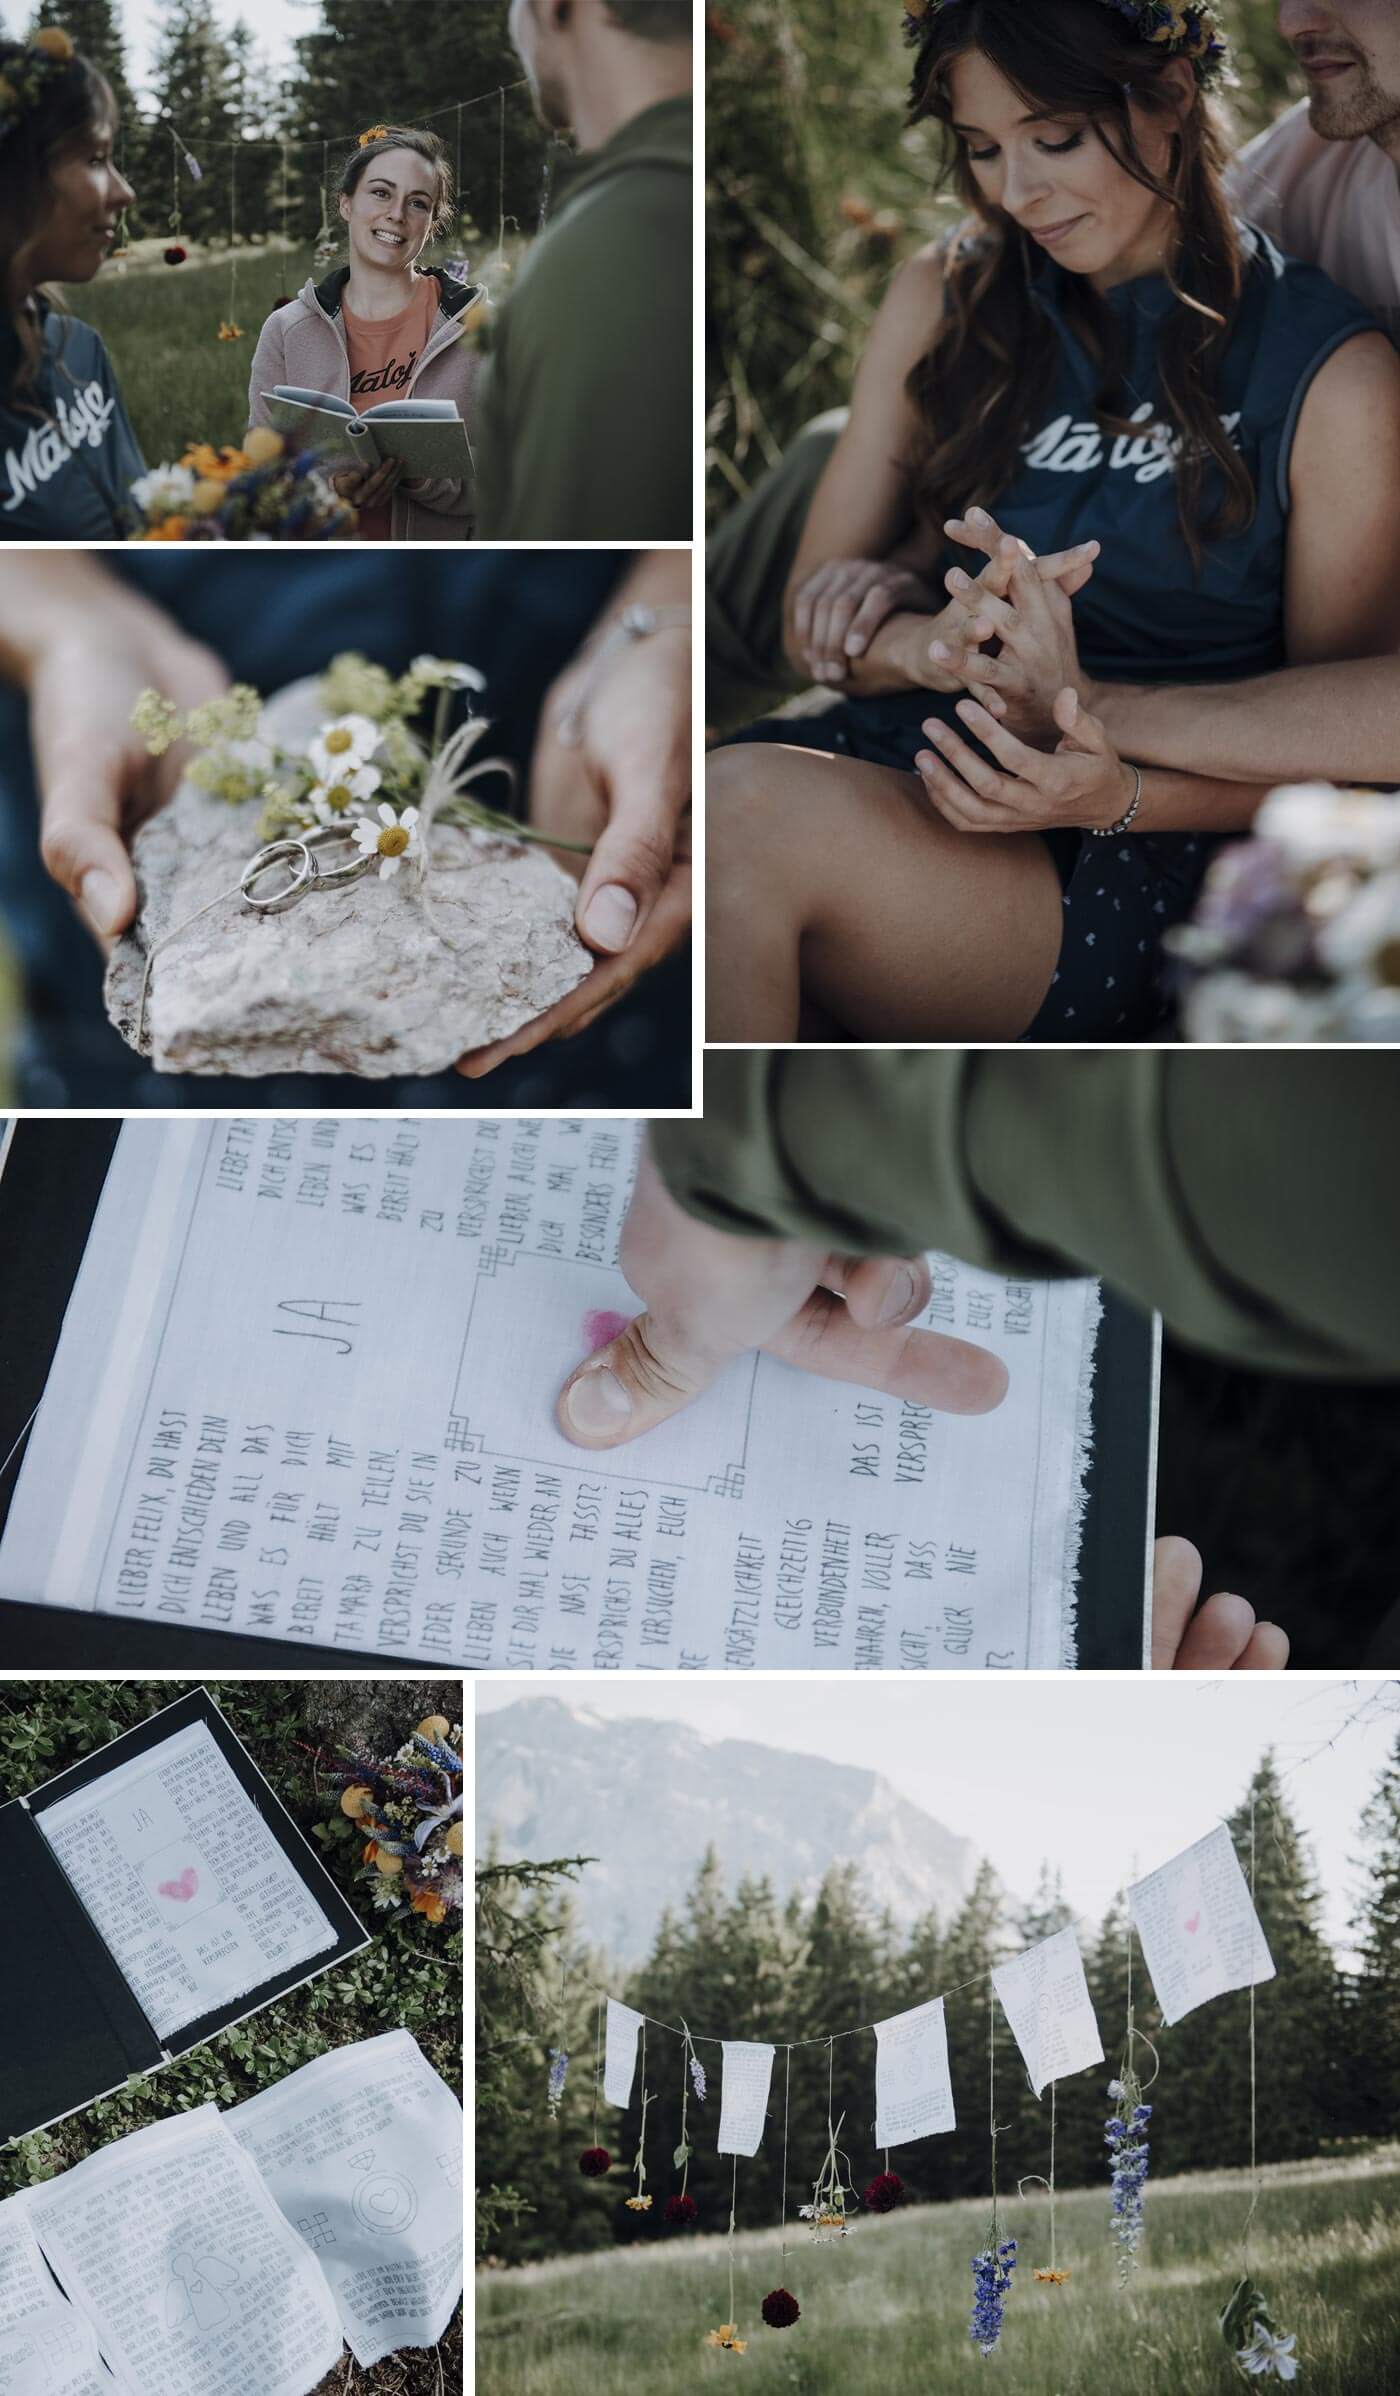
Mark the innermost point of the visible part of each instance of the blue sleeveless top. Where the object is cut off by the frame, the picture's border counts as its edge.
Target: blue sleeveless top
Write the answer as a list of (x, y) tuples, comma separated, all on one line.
[(1147, 615)]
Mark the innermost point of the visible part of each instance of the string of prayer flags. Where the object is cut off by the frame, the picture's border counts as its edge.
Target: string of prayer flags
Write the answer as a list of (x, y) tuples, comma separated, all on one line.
[(745, 2079), (913, 2092), (620, 2054), (1045, 1997), (1197, 1925)]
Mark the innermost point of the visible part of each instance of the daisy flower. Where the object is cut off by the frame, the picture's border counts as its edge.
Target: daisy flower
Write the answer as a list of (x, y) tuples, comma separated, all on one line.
[(443, 674), (388, 836), (332, 799), (350, 740)]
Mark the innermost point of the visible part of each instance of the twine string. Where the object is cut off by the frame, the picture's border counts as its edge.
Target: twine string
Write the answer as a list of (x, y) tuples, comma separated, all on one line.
[(501, 186), (787, 2092), (1253, 2077), (686, 2052), (597, 2066), (733, 2200), (1052, 2175)]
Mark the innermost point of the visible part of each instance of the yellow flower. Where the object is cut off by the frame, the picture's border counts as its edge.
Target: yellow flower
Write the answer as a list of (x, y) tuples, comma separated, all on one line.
[(454, 1839), (434, 1727), (215, 465), (230, 331), (262, 445), (375, 133), (1056, 2278), (174, 528), (727, 2335), (54, 43), (639, 2204), (427, 1901), (389, 1865), (353, 1801), (207, 496)]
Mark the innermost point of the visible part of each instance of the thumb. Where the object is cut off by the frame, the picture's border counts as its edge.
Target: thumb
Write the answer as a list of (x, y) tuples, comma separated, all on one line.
[(1082, 731), (639, 1379), (82, 848), (626, 873)]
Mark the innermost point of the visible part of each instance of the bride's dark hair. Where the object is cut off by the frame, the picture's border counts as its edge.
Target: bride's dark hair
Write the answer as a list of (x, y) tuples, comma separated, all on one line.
[(983, 383), (73, 102)]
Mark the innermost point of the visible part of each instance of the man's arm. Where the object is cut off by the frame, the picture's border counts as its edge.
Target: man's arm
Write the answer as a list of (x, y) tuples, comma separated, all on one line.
[(1336, 723)]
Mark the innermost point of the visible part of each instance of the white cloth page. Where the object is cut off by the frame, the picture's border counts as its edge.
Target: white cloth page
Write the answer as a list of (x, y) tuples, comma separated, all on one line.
[(171, 2244), (363, 2151), (26, 2282), (325, 1412), (1199, 1931), (913, 2093), (56, 2354), (620, 2053), (746, 2074), (1045, 1997), (176, 1868)]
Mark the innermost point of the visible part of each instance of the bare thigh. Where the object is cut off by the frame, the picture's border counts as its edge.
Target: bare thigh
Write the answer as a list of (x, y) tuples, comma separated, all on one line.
[(908, 929)]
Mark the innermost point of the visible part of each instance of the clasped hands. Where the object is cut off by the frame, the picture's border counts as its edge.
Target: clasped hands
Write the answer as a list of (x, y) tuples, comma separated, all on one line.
[(1006, 641)]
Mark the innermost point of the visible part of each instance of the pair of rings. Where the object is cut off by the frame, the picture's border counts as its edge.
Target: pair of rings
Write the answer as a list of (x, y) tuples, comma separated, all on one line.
[(295, 868)]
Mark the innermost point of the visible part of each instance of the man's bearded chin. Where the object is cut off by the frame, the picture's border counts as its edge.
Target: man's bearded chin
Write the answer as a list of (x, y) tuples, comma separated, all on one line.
[(551, 103), (1362, 108)]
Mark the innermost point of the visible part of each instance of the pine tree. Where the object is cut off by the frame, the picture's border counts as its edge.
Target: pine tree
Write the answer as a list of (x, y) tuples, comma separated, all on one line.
[(95, 30), (1376, 2014), (195, 116), (521, 1931)]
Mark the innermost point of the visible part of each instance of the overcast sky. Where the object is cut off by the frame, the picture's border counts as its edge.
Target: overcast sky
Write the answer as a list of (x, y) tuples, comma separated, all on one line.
[(1106, 1778), (275, 25)]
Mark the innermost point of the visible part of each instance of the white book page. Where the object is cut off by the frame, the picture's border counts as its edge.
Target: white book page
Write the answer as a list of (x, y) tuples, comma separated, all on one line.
[(363, 2151), (177, 1870), (746, 2074), (1200, 1933), (306, 1388), (1045, 1998), (26, 2283), (913, 2092), (172, 2246)]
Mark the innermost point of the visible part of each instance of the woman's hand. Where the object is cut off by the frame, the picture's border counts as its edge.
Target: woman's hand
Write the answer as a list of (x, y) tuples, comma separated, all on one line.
[(711, 1296), (839, 609), (96, 779), (368, 486), (625, 787), (1038, 655), (1084, 783), (1224, 1636)]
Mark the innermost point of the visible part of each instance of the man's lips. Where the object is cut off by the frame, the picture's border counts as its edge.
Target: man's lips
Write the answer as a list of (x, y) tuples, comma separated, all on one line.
[(1321, 70)]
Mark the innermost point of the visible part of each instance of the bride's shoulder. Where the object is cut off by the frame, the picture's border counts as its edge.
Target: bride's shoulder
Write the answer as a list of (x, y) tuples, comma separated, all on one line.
[(914, 298)]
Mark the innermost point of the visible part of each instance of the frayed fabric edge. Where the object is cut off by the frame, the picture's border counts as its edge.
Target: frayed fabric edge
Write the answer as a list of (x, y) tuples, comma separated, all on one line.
[(1080, 1461)]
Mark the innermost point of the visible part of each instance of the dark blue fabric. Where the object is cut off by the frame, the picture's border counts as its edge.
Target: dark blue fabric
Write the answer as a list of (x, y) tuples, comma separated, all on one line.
[(68, 455), (1147, 615), (273, 615)]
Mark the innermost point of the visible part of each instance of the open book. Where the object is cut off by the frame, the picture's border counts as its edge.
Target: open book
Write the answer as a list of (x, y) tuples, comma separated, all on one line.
[(304, 1391), (158, 1893), (427, 434), (235, 2253)]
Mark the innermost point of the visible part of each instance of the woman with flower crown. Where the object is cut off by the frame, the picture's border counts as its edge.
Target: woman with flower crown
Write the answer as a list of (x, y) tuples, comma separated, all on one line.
[(384, 327), (68, 455), (1173, 453)]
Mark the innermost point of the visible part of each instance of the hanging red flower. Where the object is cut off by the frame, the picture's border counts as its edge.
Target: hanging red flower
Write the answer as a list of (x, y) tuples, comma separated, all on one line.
[(175, 256), (594, 2162), (779, 2309), (886, 2191), (681, 2211)]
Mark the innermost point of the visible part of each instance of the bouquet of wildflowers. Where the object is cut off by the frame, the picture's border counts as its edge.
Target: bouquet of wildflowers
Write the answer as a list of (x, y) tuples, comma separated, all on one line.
[(827, 2215), (1296, 935), (409, 1808), (1125, 2135), (992, 2267), (256, 493)]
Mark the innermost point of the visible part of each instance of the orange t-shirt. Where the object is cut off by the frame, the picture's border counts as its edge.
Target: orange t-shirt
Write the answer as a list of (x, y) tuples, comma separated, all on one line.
[(382, 359)]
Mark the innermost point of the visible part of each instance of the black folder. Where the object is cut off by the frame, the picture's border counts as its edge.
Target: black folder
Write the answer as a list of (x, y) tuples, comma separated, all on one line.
[(71, 2029)]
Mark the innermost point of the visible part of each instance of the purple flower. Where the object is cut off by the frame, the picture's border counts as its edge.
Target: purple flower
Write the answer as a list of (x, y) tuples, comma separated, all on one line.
[(558, 2074), (697, 2075), (1125, 2137), (991, 2279)]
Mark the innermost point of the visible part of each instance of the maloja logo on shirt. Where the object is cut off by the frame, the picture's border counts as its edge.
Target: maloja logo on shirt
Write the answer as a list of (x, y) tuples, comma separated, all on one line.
[(83, 419), (391, 376), (1075, 445)]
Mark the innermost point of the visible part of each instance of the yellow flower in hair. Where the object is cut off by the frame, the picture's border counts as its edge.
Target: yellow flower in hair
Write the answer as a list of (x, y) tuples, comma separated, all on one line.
[(54, 43), (375, 133)]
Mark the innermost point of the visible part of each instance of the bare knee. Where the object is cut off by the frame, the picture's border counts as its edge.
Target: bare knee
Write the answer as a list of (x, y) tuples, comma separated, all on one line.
[(747, 829)]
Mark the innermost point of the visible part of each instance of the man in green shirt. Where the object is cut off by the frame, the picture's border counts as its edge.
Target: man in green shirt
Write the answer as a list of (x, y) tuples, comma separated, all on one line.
[(586, 428)]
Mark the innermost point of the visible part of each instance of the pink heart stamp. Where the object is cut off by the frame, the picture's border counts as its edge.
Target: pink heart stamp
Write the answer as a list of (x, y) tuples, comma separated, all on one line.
[(1193, 1924), (182, 1889)]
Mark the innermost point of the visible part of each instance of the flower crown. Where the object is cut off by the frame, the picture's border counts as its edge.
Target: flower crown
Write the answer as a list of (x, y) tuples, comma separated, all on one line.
[(1176, 28), (23, 81), (372, 133)]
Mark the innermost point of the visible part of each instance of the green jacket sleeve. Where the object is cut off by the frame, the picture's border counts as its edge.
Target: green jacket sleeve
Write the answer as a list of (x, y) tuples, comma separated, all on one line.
[(589, 402), (1249, 1197)]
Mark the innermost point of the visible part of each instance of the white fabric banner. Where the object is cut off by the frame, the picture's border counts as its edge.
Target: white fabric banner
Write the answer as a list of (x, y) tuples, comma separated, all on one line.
[(55, 2354), (620, 2054), (1045, 1997), (744, 2083), (1199, 1930), (913, 2093)]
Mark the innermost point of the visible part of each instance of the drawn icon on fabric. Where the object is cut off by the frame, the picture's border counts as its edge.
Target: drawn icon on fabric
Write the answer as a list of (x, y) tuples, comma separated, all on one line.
[(194, 2290), (180, 1889), (385, 2203), (316, 2230)]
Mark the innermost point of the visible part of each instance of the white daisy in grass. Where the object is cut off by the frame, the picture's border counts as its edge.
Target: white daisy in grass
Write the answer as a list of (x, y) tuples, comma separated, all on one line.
[(337, 796), (389, 835), (350, 740), (446, 674)]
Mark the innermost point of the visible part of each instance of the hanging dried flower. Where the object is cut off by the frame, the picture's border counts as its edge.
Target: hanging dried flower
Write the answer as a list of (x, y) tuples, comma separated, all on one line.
[(595, 2162), (697, 2075), (1056, 2279), (175, 255), (886, 2191), (780, 2309), (991, 2280), (727, 2335), (639, 2204), (682, 2212)]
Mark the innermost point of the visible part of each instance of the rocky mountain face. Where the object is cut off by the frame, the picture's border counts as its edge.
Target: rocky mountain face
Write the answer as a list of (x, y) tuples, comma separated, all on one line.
[(647, 1798)]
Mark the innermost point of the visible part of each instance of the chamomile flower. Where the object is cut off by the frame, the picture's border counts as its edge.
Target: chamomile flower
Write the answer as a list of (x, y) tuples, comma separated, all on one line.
[(445, 674), (389, 836), (335, 797), (350, 740)]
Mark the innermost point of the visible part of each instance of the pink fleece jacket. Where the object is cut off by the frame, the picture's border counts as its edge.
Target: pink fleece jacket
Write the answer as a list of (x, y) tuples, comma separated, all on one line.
[(304, 344)]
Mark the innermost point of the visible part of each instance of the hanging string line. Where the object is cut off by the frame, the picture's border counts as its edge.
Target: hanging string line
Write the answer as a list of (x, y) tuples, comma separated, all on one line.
[(1253, 2089), (733, 2200), (787, 2092), (597, 2067), (498, 92)]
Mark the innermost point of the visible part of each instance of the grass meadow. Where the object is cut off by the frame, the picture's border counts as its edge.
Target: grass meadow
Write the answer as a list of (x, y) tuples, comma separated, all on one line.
[(886, 2313)]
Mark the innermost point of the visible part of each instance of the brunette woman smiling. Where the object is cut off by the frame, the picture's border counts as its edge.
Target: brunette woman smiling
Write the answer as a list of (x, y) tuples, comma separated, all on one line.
[(384, 328), (68, 455)]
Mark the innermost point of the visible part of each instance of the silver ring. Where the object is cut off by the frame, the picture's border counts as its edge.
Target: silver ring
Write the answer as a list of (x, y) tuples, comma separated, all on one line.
[(326, 877), (294, 853)]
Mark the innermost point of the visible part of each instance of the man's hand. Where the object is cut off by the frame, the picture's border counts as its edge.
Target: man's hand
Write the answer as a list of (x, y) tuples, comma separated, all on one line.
[(710, 1296), (1083, 783), (1038, 657), (96, 780), (1223, 1637), (626, 788), (840, 608)]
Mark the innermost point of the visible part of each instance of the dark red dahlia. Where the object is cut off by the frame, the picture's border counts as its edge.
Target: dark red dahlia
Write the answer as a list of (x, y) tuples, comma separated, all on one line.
[(594, 2162), (175, 255), (681, 2211), (779, 2309), (886, 2191)]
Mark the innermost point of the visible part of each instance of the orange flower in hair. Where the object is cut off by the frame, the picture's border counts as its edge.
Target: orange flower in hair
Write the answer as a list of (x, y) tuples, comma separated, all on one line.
[(375, 133)]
